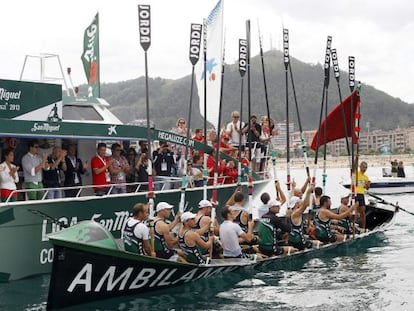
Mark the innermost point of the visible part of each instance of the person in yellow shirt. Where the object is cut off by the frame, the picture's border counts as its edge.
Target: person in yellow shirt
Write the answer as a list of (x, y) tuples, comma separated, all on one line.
[(362, 183)]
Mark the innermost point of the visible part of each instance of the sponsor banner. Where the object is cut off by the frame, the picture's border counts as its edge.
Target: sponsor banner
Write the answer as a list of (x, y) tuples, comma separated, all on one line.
[(26, 100), (90, 57)]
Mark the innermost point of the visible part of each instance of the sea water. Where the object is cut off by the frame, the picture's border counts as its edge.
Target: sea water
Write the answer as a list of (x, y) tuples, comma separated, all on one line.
[(374, 274)]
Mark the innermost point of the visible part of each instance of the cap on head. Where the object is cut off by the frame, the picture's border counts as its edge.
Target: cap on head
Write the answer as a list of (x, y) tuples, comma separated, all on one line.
[(293, 200), (164, 205), (273, 203), (345, 195), (204, 203), (186, 216)]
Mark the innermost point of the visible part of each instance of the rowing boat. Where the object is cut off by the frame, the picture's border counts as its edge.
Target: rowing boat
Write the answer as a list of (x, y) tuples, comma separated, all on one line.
[(90, 264)]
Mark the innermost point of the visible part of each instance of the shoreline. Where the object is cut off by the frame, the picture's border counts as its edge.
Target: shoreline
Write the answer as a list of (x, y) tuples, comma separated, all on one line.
[(343, 161)]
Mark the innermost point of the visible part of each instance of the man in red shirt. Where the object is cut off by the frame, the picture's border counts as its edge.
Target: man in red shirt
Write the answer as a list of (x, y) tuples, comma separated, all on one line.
[(211, 166), (101, 177)]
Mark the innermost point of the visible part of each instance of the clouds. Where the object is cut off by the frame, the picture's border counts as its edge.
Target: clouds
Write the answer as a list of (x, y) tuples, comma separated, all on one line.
[(378, 33)]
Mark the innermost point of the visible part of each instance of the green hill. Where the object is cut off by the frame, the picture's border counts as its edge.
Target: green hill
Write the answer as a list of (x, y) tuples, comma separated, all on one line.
[(169, 99)]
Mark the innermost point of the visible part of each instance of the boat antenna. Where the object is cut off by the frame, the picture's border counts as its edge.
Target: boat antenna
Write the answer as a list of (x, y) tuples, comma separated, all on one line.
[(286, 62), (318, 139), (249, 136), (242, 70), (327, 76), (194, 54), (144, 19)]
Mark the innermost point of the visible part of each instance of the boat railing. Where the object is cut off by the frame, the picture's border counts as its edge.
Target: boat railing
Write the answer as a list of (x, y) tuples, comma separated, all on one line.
[(161, 184)]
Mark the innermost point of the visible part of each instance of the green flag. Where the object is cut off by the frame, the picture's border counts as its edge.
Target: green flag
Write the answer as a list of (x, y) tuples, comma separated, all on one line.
[(90, 57)]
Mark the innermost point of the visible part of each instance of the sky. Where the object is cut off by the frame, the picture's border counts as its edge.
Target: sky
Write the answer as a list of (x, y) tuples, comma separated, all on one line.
[(378, 33)]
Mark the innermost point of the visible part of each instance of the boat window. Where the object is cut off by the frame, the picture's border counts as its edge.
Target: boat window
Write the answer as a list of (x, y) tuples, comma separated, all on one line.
[(81, 113)]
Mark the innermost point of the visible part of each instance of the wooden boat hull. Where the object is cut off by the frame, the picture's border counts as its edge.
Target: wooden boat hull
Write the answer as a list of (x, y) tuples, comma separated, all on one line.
[(30, 223), (86, 268)]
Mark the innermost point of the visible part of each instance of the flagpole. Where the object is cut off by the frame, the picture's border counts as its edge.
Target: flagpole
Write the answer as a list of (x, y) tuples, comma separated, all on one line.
[(195, 43), (242, 70), (286, 63)]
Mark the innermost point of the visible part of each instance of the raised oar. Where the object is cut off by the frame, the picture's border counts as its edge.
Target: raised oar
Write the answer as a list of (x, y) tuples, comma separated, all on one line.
[(213, 219), (242, 70), (195, 43), (318, 139), (250, 179), (327, 75), (205, 85), (302, 138), (381, 200), (286, 62), (269, 144), (144, 19), (335, 65), (214, 199), (354, 164)]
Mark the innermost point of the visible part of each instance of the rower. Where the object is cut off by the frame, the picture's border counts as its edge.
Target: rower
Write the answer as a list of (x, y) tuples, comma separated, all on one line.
[(190, 241), (268, 231), (324, 218), (265, 198), (344, 225), (296, 236), (164, 241), (231, 233), (136, 233), (203, 223), (241, 217)]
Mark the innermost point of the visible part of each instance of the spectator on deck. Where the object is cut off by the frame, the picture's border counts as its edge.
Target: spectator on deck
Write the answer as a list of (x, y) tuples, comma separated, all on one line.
[(74, 171), (119, 169), (52, 176), (163, 164), (233, 129), (33, 164), (8, 177), (101, 177)]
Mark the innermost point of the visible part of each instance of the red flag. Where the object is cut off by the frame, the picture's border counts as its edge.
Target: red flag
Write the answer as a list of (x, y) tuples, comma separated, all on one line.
[(335, 122)]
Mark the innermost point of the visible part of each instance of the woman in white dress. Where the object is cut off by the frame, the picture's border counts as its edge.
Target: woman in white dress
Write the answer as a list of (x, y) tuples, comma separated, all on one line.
[(8, 177)]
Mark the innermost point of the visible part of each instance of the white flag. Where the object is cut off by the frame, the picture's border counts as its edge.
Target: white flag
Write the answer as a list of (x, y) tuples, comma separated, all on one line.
[(214, 64)]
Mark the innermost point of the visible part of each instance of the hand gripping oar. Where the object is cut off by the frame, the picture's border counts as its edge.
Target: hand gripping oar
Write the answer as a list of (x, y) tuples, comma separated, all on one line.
[(381, 200)]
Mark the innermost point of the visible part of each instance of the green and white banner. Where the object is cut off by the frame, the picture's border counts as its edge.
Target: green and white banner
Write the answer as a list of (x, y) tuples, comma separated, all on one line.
[(90, 57), (30, 101)]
